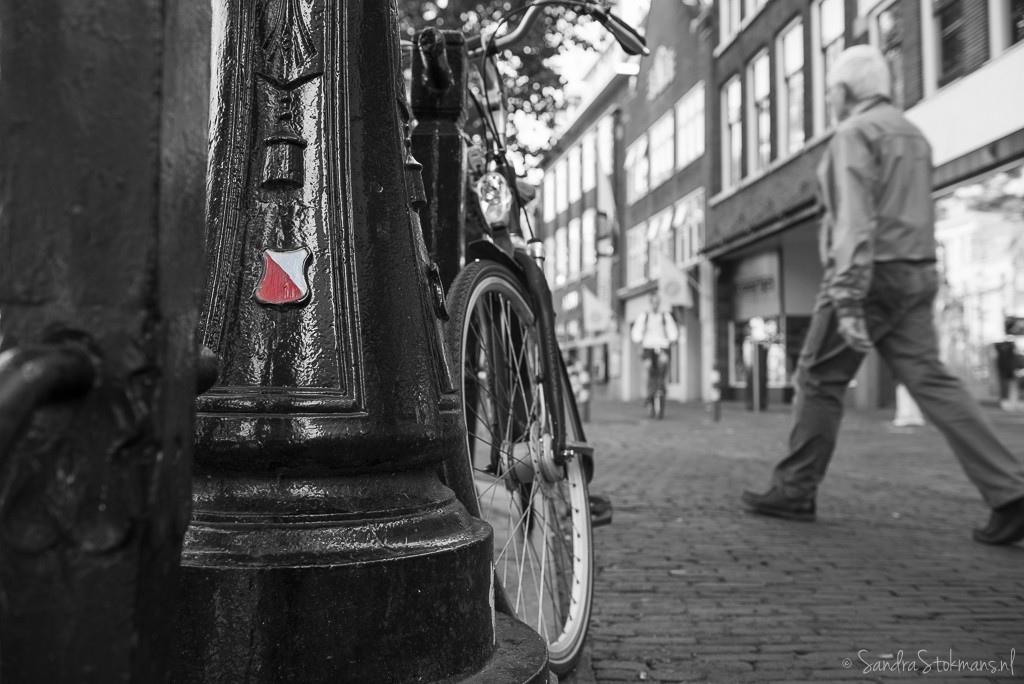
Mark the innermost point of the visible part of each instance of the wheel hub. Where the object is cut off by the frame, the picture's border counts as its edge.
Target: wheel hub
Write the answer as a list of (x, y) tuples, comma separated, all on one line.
[(543, 455), (519, 462)]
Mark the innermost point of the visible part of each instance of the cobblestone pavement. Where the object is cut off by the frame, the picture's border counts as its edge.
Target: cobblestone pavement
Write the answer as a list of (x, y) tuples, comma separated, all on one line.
[(689, 588)]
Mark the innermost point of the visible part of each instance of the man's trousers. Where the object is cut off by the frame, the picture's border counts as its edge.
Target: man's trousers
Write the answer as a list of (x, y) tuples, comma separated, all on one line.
[(899, 316)]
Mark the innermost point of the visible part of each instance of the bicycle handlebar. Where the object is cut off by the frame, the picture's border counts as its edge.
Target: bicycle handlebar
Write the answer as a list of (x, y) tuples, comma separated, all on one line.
[(518, 34), (631, 42)]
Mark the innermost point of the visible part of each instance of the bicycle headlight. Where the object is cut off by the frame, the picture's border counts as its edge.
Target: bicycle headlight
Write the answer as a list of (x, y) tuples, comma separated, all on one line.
[(495, 198)]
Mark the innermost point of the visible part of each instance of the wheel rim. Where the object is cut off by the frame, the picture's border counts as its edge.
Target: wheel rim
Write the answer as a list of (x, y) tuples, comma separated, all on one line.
[(537, 509)]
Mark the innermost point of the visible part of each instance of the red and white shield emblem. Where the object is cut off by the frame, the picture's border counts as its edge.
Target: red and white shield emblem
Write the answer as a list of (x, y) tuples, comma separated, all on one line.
[(284, 277)]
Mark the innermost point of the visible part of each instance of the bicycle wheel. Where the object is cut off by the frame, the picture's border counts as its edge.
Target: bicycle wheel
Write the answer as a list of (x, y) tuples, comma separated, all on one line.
[(539, 509)]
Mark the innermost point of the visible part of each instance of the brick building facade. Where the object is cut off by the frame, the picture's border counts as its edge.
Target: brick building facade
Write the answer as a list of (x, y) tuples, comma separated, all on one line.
[(665, 169), (769, 60), (760, 66), (577, 217)]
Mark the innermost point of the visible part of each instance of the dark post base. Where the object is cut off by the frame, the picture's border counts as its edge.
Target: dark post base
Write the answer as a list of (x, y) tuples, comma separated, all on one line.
[(520, 656), (397, 588)]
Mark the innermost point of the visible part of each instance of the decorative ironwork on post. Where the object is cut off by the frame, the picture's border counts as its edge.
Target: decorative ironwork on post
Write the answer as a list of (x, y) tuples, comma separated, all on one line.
[(323, 546)]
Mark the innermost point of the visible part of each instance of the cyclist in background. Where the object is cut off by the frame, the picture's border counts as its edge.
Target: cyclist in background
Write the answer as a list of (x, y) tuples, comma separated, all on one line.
[(655, 331)]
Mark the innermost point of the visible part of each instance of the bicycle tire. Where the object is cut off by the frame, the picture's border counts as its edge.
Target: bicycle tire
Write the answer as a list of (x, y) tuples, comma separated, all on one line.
[(540, 512)]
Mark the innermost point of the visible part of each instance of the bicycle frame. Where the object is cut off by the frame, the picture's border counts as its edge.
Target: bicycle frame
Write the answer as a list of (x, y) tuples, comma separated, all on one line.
[(659, 362)]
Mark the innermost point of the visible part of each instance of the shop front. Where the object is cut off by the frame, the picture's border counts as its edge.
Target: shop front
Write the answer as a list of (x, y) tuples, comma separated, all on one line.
[(980, 231), (634, 380), (756, 331), (772, 288)]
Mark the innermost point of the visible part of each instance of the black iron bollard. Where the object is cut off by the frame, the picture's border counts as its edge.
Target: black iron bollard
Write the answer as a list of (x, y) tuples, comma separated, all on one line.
[(103, 149), (323, 546), (716, 393), (438, 143), (757, 378)]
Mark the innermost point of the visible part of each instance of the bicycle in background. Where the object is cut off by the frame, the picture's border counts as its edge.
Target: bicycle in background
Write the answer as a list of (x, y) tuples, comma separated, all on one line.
[(656, 362), (527, 463)]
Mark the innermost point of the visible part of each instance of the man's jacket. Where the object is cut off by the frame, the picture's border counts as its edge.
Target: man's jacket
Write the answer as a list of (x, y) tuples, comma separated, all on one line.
[(876, 187)]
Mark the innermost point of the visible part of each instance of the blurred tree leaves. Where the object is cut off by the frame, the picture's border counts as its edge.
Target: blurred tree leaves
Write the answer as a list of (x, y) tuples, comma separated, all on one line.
[(533, 87)]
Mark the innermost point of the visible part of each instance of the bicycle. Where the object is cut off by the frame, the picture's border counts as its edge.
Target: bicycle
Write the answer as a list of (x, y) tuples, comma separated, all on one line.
[(656, 378), (527, 464)]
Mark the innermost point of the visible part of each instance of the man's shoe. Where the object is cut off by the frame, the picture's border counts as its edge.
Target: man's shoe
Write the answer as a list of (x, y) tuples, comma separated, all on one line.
[(777, 504), (1005, 526)]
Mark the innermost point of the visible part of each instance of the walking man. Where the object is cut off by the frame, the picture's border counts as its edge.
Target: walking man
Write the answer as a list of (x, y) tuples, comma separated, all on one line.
[(877, 244)]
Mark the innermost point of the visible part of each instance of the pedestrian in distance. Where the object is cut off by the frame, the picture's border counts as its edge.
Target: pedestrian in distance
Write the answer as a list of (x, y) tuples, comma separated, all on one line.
[(1010, 370), (655, 330), (877, 243)]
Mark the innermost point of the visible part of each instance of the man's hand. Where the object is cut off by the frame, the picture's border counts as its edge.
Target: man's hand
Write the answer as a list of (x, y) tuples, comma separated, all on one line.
[(855, 332)]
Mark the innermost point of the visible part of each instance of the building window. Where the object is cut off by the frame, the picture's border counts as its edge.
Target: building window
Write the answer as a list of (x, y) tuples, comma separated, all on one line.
[(690, 126), (549, 195), (829, 42), (606, 145), (561, 199), (659, 241), (637, 166), (589, 161), (561, 255), (790, 51), (688, 222), (887, 35), (731, 15), (654, 257), (575, 181), (949, 20), (1016, 21), (734, 12), (662, 149), (575, 240), (760, 117), (588, 244), (732, 132), (662, 71), (636, 254)]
